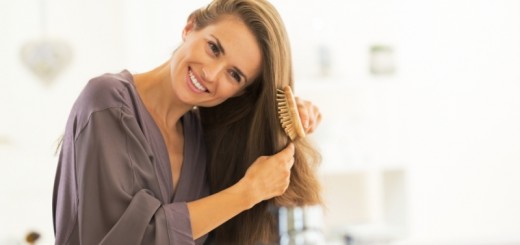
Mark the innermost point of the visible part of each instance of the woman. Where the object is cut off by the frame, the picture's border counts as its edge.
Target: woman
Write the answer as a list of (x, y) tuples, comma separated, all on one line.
[(139, 165)]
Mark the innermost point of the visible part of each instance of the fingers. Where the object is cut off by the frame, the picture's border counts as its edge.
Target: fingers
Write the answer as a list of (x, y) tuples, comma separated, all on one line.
[(287, 158), (315, 118), (270, 175), (287, 155), (303, 112), (310, 115), (286, 161)]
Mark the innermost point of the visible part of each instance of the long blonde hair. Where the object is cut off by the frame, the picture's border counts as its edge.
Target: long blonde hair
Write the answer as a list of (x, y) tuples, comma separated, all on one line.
[(245, 127)]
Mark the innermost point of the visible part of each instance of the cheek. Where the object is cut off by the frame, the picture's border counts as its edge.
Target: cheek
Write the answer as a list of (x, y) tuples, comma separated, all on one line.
[(187, 50), (239, 92), (231, 90)]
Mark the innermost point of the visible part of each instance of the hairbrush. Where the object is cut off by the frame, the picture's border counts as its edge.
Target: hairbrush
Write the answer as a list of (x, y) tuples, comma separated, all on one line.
[(288, 113)]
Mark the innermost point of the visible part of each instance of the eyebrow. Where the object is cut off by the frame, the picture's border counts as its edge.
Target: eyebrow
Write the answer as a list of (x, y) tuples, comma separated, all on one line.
[(219, 45)]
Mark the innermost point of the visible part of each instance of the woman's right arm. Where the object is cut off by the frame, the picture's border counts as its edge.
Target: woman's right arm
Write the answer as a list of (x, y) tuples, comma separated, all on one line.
[(108, 212), (267, 177)]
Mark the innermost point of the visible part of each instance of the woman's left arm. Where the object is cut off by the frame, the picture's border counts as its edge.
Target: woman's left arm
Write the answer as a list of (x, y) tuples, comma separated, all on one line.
[(310, 114)]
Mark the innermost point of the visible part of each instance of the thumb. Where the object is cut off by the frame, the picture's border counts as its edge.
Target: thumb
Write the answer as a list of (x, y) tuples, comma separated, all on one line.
[(288, 151)]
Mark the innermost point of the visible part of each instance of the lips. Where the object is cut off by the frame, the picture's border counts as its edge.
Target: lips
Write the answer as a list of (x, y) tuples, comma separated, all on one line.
[(195, 82)]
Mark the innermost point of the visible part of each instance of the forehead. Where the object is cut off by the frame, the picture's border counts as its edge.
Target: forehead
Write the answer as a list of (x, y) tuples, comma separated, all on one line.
[(239, 43)]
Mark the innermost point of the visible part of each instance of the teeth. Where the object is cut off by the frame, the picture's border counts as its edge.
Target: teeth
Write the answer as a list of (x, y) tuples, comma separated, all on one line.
[(196, 83)]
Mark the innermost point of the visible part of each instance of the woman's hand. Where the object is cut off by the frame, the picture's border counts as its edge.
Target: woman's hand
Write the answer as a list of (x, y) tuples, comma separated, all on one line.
[(310, 115), (266, 178), (269, 176)]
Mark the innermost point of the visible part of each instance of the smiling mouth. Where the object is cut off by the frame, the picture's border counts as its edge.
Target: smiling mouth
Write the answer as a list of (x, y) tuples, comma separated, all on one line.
[(196, 82)]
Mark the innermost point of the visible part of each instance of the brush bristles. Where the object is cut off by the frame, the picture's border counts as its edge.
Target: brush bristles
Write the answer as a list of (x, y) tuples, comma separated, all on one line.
[(288, 113)]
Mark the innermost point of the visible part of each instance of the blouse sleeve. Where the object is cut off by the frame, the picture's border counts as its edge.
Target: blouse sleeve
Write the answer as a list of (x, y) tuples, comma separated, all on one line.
[(117, 198)]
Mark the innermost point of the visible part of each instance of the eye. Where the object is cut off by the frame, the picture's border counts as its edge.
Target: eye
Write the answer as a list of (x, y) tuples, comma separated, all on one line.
[(214, 48), (235, 75)]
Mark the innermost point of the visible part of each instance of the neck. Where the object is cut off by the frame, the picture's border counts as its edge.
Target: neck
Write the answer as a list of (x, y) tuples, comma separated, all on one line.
[(157, 93)]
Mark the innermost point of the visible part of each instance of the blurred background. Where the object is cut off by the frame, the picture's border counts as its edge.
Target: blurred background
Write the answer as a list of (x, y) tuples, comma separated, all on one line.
[(419, 99)]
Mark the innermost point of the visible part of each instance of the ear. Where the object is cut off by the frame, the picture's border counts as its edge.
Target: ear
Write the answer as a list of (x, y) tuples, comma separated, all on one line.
[(190, 26)]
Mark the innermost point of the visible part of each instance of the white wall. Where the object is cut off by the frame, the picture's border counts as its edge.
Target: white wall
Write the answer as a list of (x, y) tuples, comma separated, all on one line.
[(461, 61), (33, 114), (454, 99), (447, 118)]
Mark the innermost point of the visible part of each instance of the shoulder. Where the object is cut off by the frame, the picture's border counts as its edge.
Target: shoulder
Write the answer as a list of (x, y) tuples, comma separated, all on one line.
[(107, 90)]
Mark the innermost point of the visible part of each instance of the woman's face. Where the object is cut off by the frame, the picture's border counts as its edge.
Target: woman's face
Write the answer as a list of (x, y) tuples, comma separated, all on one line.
[(215, 63)]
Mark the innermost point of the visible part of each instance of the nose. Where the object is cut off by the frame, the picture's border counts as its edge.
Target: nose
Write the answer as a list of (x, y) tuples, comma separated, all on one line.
[(211, 72)]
